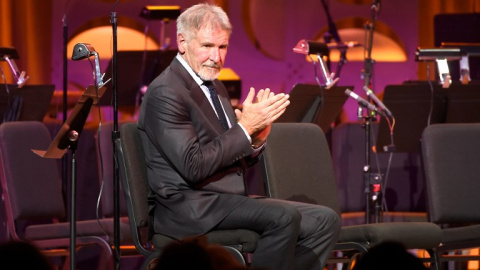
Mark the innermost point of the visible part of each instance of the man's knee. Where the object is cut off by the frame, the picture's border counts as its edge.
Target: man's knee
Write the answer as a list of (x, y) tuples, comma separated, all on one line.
[(337, 222), (287, 216), (332, 219), (324, 219)]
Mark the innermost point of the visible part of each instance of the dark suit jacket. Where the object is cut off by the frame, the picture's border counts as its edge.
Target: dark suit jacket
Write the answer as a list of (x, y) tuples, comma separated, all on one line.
[(195, 168)]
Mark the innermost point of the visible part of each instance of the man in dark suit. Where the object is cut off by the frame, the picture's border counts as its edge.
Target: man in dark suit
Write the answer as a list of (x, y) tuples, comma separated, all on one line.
[(197, 150)]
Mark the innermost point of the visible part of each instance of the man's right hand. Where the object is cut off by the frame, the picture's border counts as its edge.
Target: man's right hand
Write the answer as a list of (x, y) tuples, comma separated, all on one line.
[(259, 115)]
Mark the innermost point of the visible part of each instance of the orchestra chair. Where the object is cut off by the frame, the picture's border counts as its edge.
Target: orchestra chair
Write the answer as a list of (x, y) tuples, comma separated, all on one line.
[(133, 174), (451, 154), (298, 167), (32, 193), (104, 146)]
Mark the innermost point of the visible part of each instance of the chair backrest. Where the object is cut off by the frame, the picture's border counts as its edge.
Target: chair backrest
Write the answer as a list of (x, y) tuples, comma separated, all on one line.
[(131, 157), (31, 184), (451, 156), (105, 159), (298, 165), (133, 171)]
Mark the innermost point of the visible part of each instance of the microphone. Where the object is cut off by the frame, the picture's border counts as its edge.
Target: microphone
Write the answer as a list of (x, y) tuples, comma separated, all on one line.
[(362, 102), (377, 101)]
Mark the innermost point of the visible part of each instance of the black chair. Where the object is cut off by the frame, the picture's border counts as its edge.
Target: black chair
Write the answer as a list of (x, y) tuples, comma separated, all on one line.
[(133, 170), (105, 164), (451, 154), (298, 167), (33, 198)]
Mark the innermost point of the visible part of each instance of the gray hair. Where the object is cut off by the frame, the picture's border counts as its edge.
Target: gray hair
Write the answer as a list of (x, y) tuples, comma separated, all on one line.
[(200, 15)]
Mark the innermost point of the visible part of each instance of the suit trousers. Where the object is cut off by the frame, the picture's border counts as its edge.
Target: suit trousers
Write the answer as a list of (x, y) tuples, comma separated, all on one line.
[(293, 235)]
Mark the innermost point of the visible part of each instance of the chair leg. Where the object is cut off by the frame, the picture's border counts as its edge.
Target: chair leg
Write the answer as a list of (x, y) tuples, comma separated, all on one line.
[(237, 254), (348, 266), (150, 261), (435, 260), (66, 263), (105, 260)]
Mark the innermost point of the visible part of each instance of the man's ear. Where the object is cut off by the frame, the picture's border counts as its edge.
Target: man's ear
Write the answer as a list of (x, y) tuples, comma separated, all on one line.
[(181, 40)]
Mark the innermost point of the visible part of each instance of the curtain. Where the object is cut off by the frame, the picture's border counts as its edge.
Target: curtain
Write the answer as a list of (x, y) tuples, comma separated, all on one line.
[(26, 25)]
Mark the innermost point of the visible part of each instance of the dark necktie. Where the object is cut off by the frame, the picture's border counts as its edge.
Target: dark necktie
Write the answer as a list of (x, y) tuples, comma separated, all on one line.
[(216, 104)]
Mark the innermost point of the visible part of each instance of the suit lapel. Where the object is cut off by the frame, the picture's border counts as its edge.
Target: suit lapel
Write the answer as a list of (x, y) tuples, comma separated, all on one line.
[(201, 100)]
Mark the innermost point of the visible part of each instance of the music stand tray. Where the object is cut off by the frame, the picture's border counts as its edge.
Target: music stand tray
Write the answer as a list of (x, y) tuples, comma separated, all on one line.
[(311, 104), (73, 126)]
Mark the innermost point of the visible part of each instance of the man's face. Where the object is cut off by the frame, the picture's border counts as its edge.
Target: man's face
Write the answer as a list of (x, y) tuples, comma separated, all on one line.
[(205, 52)]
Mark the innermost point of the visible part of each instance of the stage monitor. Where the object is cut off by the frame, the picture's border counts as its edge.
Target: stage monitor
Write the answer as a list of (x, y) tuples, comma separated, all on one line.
[(311, 104), (29, 103)]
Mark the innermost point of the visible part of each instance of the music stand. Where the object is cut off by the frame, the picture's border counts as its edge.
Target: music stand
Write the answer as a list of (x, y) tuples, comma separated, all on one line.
[(29, 103), (130, 77), (67, 139), (311, 104), (411, 104), (463, 104)]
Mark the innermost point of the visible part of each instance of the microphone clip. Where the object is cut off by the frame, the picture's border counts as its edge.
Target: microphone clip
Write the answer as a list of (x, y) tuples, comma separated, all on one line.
[(364, 103), (377, 101)]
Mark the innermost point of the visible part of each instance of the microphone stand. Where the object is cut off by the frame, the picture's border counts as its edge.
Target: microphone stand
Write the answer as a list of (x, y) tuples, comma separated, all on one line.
[(73, 198), (333, 33), (65, 100), (367, 73), (115, 136), (73, 148)]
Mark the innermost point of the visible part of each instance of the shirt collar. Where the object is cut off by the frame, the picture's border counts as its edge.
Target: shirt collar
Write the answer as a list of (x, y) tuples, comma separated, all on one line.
[(184, 63)]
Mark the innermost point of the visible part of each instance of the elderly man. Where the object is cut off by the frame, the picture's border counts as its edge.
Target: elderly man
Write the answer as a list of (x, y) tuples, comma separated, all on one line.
[(198, 149)]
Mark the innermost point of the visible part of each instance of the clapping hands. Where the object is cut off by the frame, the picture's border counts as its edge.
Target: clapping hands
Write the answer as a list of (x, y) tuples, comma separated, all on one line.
[(260, 111)]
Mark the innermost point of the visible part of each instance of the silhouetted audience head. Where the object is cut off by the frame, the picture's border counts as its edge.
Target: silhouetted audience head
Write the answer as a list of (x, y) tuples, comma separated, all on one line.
[(388, 255), (196, 253), (22, 256)]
